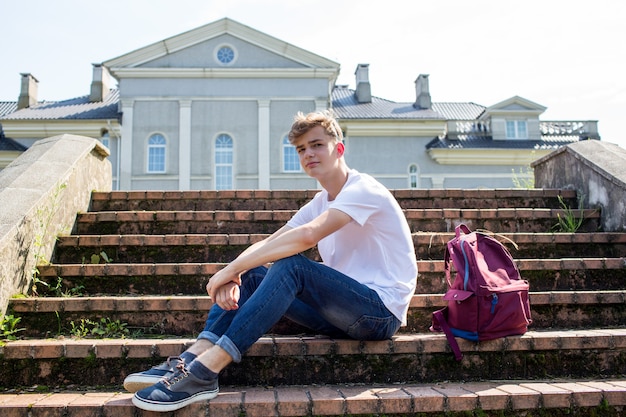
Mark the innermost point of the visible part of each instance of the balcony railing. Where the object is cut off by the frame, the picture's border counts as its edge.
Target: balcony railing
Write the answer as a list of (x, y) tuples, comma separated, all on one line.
[(588, 129), (582, 129)]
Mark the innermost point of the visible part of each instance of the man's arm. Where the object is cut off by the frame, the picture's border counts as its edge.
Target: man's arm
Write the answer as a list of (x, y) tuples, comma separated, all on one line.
[(285, 242)]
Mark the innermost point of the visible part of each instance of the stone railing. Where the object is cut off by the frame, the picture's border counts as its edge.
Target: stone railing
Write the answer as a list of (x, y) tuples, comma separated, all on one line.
[(586, 129), (596, 170), (583, 129), (40, 193)]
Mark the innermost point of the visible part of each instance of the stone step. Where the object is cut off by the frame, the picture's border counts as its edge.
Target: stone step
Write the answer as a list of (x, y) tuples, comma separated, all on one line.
[(505, 398), (191, 278), (294, 199), (224, 247), (305, 360), (185, 314), (500, 220)]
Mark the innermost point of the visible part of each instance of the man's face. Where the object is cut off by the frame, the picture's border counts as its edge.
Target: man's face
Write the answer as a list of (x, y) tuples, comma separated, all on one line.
[(318, 152)]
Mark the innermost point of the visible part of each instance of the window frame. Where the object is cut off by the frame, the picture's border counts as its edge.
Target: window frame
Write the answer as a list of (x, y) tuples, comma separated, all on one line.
[(154, 147), (218, 164), (105, 138), (219, 48), (516, 132), (413, 175), (289, 151)]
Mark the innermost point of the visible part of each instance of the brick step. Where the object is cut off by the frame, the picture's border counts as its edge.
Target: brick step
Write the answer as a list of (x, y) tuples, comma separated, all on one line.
[(191, 278), (185, 315), (304, 360), (294, 199), (224, 247), (501, 220), (570, 397)]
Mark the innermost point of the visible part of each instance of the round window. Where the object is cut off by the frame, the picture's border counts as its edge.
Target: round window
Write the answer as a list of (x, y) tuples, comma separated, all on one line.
[(225, 55)]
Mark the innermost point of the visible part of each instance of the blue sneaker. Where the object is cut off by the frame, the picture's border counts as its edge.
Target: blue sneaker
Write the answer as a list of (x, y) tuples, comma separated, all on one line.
[(140, 380), (176, 391)]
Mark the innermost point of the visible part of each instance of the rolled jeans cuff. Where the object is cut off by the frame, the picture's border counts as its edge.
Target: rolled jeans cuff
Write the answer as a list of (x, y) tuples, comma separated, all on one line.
[(224, 342)]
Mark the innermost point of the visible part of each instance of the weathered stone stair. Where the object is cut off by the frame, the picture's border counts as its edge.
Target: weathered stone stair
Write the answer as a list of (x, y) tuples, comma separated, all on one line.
[(143, 258)]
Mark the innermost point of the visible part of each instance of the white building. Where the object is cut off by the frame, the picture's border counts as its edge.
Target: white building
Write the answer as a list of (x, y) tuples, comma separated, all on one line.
[(210, 109)]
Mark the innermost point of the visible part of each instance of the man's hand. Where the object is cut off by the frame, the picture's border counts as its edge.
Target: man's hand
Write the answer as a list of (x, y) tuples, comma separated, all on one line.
[(227, 296), (223, 288)]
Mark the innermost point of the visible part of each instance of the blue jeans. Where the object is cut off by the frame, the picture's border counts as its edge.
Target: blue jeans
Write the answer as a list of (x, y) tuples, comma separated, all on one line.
[(308, 293)]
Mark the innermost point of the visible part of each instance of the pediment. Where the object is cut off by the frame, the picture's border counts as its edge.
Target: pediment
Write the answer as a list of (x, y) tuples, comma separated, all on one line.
[(515, 105), (196, 49)]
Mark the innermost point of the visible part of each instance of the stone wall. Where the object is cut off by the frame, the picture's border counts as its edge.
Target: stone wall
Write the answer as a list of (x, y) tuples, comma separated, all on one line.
[(40, 194), (596, 170)]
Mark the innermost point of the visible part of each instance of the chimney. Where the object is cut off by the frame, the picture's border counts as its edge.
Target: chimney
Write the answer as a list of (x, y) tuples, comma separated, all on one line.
[(28, 92), (363, 89), (100, 83), (422, 93)]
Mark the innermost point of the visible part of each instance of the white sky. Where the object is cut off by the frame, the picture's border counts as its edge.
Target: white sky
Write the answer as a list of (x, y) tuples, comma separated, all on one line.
[(567, 55)]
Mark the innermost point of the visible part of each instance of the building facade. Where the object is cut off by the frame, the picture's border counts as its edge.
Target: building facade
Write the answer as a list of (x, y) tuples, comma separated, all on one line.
[(211, 108)]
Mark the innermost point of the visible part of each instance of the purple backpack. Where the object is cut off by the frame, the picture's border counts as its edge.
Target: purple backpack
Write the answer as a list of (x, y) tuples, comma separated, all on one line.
[(488, 298)]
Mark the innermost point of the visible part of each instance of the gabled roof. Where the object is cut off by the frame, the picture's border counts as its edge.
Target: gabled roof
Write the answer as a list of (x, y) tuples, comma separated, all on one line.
[(346, 106), (515, 104), (212, 30), (79, 108)]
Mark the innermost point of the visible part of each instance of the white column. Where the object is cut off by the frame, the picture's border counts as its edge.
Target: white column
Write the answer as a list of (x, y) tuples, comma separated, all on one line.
[(126, 147), (184, 145), (264, 145)]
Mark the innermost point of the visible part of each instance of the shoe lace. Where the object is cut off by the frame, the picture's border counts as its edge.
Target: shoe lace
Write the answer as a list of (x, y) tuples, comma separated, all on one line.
[(172, 358), (180, 373)]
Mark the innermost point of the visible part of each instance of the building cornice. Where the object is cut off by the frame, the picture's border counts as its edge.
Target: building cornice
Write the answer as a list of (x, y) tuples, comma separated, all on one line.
[(249, 73), (482, 156), (27, 129), (402, 128)]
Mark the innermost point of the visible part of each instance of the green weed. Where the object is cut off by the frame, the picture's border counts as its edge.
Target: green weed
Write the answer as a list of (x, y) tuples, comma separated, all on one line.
[(105, 328), (571, 220), (523, 180), (8, 327)]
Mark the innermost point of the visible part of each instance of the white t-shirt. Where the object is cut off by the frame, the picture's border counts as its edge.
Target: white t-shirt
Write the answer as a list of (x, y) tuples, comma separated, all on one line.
[(375, 248)]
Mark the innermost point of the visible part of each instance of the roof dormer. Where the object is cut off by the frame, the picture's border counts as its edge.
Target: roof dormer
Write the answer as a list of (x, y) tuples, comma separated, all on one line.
[(514, 119)]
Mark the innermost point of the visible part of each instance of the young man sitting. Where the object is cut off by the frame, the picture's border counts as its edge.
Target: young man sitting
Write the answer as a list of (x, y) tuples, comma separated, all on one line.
[(361, 290)]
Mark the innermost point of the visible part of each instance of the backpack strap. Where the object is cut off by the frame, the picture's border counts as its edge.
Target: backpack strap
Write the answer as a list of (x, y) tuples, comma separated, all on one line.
[(446, 266), (440, 320), (462, 227)]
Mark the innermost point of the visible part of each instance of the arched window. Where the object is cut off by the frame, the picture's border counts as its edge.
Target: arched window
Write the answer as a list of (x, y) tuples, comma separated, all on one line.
[(105, 138), (291, 161), (413, 176), (156, 153), (224, 162)]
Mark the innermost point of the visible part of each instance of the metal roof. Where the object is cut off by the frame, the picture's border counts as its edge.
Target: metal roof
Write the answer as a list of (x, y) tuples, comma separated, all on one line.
[(346, 106), (487, 142), (7, 107), (79, 108), (459, 111)]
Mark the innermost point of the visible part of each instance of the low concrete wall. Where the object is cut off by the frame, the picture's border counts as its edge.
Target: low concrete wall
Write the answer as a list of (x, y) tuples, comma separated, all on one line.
[(40, 194), (596, 170)]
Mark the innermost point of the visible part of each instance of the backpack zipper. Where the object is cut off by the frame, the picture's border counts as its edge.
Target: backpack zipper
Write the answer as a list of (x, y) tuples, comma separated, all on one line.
[(494, 301)]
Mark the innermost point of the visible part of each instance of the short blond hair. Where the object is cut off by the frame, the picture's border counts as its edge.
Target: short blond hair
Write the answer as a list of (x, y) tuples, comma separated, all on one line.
[(305, 122)]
